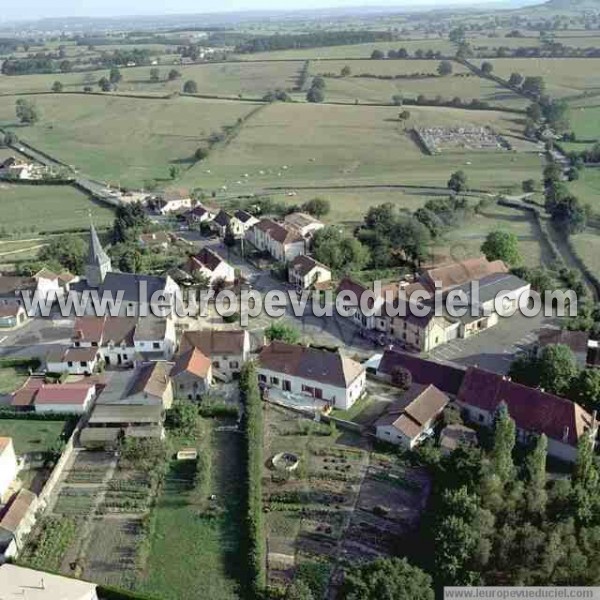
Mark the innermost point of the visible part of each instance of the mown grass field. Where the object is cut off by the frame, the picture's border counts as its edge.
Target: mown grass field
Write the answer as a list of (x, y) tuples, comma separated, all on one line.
[(29, 209), (585, 122), (381, 91), (349, 205), (587, 246), (250, 80), (124, 140), (587, 187), (354, 50), (289, 145), (563, 76), (465, 241), (31, 436)]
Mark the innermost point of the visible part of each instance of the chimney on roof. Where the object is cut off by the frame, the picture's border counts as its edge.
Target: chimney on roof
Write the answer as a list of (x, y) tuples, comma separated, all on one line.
[(565, 435)]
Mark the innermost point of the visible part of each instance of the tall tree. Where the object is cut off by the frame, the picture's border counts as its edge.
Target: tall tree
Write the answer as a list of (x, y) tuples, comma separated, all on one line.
[(535, 468), (504, 443)]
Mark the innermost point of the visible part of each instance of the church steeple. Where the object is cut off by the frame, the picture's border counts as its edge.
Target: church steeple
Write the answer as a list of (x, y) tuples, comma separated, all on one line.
[(98, 263)]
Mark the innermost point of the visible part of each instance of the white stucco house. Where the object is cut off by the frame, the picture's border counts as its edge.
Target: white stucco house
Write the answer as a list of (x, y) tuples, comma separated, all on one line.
[(307, 273), (410, 420), (301, 370), (75, 361), (209, 264), (72, 398)]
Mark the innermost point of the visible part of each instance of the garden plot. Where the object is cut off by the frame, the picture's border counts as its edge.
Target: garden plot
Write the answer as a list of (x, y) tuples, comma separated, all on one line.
[(391, 500), (307, 509)]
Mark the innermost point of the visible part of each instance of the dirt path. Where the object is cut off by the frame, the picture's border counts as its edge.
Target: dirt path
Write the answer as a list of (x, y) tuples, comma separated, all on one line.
[(336, 572)]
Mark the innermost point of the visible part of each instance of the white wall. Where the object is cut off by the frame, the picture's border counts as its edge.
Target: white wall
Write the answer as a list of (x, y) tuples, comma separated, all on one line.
[(67, 408), (339, 397), (8, 468)]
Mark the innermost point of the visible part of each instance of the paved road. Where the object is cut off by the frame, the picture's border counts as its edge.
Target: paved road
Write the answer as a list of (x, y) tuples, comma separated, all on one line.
[(36, 338), (96, 189)]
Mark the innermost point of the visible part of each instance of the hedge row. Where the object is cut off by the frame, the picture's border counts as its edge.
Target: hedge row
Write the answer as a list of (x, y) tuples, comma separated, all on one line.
[(254, 538), (24, 363)]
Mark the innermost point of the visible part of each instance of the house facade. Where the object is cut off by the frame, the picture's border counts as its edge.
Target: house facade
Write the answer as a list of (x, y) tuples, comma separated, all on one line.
[(210, 265), (306, 273), (69, 398), (191, 375), (17, 522), (122, 341), (282, 242), (410, 420), (534, 411), (227, 350), (12, 315), (304, 371), (75, 361)]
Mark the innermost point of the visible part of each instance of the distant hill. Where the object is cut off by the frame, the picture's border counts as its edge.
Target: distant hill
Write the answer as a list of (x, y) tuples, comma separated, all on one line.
[(572, 4)]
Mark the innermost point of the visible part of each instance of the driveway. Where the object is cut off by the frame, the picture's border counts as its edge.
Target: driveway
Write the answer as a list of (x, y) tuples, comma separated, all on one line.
[(495, 348)]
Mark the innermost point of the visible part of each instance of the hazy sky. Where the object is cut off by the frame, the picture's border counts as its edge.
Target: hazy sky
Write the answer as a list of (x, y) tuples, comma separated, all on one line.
[(103, 8)]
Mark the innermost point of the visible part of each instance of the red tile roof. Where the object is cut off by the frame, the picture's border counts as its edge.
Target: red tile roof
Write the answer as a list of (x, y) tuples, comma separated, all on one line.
[(63, 394), (193, 362), (445, 377), (17, 510), (532, 409), (278, 232), (309, 363), (89, 329), (459, 273)]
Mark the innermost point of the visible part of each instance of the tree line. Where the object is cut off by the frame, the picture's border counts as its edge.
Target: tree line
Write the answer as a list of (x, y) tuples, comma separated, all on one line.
[(310, 40)]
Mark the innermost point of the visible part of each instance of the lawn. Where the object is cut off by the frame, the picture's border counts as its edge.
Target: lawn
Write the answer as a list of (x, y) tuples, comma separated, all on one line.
[(194, 554), (289, 145), (125, 140), (12, 378), (31, 436), (465, 241), (30, 209), (563, 76)]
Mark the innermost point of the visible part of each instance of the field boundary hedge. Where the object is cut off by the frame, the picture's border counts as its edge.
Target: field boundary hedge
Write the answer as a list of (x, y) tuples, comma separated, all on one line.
[(252, 428)]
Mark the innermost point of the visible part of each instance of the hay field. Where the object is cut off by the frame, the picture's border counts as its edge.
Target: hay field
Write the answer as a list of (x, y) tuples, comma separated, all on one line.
[(380, 91), (291, 145), (354, 50), (466, 241), (563, 76), (124, 140), (251, 80), (35, 208)]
